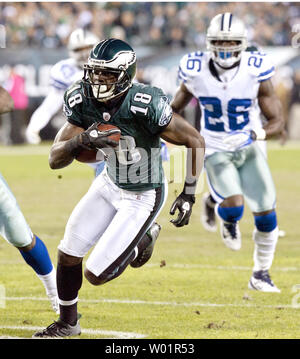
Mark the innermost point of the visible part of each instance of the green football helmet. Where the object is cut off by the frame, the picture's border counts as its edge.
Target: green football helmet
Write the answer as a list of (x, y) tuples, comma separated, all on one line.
[(110, 69)]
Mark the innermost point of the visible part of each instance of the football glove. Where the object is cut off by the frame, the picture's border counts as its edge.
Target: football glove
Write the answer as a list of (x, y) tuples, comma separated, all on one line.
[(93, 138), (184, 203), (239, 139)]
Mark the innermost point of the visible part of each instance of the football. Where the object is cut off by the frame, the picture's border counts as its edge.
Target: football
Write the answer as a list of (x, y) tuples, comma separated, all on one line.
[(87, 156), (90, 156), (106, 127)]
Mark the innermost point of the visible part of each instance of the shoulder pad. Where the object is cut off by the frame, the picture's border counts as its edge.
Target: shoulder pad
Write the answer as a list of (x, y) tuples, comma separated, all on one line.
[(75, 87)]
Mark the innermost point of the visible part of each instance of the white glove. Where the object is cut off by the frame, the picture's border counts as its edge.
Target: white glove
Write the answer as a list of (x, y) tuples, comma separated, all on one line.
[(32, 137), (239, 139)]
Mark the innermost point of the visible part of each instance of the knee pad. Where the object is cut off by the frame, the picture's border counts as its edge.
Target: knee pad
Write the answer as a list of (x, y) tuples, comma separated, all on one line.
[(230, 214), (266, 223)]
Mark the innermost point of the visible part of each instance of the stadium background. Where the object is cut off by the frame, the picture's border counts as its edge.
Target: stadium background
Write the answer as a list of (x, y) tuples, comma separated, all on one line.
[(36, 36)]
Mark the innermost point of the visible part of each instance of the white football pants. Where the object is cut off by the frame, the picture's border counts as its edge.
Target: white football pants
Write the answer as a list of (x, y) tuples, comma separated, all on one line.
[(112, 219)]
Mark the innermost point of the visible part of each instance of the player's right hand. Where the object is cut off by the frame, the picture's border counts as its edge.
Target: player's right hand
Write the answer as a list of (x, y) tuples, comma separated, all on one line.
[(94, 138)]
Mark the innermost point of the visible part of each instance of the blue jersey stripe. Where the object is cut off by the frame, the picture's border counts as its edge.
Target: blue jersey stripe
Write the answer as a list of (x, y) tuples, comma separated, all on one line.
[(264, 79), (59, 84), (181, 73), (267, 72)]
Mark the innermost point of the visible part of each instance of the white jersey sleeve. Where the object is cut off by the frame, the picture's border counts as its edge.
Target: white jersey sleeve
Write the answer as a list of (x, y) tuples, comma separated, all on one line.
[(64, 73), (189, 68), (261, 66)]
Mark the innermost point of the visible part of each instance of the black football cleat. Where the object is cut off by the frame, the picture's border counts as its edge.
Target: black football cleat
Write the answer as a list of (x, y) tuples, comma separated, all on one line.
[(59, 329), (146, 254)]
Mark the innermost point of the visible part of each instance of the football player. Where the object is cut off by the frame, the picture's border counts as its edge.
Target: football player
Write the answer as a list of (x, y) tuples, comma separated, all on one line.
[(124, 200), (231, 86), (15, 230), (63, 74)]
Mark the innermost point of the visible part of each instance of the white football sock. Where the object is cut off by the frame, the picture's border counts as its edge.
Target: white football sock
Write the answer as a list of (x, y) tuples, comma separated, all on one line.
[(49, 282), (264, 249)]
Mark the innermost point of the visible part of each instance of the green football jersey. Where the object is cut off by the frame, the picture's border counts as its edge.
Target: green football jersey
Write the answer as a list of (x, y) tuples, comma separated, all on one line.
[(135, 165)]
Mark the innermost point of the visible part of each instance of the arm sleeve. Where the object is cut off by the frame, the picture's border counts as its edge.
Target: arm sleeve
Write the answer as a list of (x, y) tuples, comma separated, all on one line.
[(266, 70), (160, 113), (48, 108), (61, 75)]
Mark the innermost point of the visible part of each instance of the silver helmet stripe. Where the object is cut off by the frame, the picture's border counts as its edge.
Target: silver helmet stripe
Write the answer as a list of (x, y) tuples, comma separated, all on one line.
[(102, 45)]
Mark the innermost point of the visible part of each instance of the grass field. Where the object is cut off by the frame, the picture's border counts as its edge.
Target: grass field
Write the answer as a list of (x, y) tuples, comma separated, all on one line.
[(193, 287)]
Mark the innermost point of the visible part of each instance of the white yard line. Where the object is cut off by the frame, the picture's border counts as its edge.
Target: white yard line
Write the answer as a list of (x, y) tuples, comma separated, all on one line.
[(188, 266), (166, 303), (94, 332)]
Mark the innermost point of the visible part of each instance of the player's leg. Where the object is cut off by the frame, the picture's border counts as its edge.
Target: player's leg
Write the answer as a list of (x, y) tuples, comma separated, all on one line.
[(260, 194), (14, 228), (88, 221), (224, 185), (265, 236), (208, 215), (145, 248), (124, 240)]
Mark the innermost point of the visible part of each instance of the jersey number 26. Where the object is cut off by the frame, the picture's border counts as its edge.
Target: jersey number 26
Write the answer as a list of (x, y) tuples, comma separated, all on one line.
[(237, 111)]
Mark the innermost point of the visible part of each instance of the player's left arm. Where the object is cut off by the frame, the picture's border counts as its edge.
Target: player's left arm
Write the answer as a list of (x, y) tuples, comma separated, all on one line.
[(271, 108), (180, 132), (6, 101)]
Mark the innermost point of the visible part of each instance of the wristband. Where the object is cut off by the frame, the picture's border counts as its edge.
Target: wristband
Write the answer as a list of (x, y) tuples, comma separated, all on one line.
[(260, 134), (190, 188)]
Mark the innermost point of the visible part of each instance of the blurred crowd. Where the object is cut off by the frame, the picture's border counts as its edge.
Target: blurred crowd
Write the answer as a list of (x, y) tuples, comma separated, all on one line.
[(179, 24), (47, 25)]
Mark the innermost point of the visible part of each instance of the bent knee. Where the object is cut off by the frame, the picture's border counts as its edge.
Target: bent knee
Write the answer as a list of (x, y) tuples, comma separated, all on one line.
[(266, 221), (231, 214), (67, 260), (233, 201), (93, 279)]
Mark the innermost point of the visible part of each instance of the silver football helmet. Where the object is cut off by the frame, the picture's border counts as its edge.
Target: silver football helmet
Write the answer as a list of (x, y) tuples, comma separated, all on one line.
[(226, 38), (80, 44)]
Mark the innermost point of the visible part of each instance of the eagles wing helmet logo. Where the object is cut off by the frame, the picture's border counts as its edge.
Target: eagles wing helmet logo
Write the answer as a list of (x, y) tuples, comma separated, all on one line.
[(122, 59)]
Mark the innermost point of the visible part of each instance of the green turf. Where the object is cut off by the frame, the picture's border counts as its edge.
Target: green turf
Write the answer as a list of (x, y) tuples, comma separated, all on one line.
[(193, 287)]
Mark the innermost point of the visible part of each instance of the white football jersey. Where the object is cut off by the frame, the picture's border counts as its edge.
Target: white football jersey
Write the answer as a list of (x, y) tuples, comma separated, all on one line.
[(64, 73), (225, 106)]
